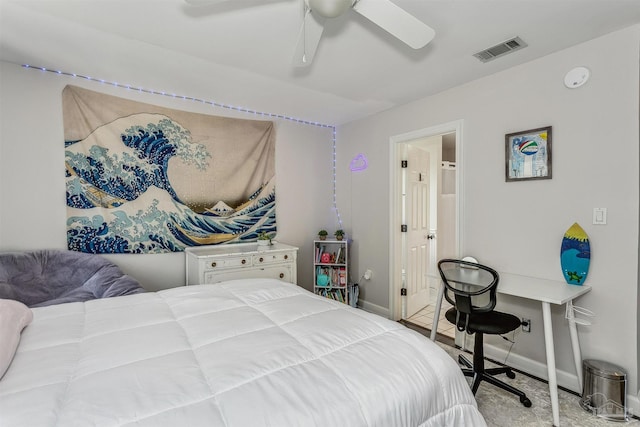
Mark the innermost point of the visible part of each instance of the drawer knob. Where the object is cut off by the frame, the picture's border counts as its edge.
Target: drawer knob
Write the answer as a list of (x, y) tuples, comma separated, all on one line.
[(261, 259), (213, 264), (244, 261), (286, 257), (282, 275)]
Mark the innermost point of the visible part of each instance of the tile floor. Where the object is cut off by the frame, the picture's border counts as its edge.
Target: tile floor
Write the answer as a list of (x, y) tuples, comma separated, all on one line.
[(424, 317)]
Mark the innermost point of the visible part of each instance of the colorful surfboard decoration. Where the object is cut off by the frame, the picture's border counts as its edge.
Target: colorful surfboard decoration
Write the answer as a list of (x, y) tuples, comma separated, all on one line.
[(575, 255)]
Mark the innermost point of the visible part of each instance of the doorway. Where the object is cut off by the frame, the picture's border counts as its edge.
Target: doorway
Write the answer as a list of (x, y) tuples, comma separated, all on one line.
[(425, 214)]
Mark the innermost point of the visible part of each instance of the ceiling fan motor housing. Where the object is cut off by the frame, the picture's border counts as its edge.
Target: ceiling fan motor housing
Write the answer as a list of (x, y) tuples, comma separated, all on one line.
[(329, 8)]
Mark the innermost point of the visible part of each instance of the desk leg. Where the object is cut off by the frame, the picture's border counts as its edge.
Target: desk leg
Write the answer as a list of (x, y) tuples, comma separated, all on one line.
[(436, 313), (551, 362), (575, 344)]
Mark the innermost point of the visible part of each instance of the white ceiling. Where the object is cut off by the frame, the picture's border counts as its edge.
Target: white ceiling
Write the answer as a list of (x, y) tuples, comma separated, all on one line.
[(358, 69)]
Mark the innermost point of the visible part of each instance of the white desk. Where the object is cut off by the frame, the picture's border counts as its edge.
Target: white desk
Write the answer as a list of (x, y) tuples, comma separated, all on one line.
[(547, 292)]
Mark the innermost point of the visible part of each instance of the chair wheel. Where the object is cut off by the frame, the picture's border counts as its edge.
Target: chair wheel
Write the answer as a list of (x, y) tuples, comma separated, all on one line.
[(510, 374), (525, 401)]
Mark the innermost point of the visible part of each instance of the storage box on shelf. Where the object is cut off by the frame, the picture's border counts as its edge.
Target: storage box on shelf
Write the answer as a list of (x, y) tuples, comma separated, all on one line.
[(216, 263), (331, 269)]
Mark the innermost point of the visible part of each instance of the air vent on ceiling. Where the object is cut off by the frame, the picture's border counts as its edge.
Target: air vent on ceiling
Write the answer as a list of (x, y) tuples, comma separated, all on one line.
[(500, 49)]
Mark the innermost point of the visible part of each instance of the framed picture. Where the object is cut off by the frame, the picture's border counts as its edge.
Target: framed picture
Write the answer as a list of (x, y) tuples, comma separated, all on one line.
[(528, 155)]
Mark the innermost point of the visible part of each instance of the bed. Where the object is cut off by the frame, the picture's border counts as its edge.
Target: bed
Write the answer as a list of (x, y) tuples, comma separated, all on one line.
[(257, 352)]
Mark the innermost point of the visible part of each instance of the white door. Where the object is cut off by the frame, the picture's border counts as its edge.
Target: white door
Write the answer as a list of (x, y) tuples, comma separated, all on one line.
[(452, 148), (418, 239)]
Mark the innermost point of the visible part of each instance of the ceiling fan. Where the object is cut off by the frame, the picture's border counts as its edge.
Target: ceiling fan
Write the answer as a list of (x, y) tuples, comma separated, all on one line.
[(385, 14)]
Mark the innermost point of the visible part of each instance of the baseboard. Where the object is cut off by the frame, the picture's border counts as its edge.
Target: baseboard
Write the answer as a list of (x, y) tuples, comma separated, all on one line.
[(566, 380), (373, 308), (532, 367)]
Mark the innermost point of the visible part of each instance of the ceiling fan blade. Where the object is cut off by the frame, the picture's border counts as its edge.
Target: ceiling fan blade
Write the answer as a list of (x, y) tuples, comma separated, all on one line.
[(308, 39), (396, 21)]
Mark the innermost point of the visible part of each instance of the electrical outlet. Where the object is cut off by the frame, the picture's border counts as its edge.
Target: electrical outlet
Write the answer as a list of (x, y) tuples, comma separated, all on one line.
[(526, 325), (367, 274)]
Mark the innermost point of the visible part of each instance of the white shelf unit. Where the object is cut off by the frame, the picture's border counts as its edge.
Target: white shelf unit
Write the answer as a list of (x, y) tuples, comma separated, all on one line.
[(216, 263), (331, 273)]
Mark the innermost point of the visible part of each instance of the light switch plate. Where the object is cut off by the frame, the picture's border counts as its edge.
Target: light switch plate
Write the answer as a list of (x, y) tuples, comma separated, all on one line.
[(599, 216)]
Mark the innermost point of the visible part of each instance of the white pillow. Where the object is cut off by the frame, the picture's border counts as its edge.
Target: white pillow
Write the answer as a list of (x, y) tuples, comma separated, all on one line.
[(14, 316)]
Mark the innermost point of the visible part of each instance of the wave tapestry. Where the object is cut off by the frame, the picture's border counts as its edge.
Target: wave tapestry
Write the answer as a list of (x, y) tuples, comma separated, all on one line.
[(146, 179)]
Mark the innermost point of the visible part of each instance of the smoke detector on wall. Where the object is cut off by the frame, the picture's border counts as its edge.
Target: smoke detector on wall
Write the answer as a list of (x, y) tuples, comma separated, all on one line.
[(576, 77)]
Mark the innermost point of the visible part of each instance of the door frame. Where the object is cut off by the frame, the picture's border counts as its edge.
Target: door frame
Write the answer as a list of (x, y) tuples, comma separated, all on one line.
[(395, 208)]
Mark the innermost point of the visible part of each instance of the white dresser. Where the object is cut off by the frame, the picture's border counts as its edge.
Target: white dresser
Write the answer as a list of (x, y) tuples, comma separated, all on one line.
[(213, 264)]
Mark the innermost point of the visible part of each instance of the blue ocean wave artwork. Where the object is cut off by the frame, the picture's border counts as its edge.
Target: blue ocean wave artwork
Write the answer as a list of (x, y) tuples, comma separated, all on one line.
[(120, 198)]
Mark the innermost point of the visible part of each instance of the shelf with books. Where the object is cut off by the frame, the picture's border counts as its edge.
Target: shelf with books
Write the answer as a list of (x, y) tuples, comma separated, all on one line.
[(331, 269)]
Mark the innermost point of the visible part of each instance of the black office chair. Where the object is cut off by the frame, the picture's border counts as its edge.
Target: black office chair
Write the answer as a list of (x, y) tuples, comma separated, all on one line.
[(471, 289)]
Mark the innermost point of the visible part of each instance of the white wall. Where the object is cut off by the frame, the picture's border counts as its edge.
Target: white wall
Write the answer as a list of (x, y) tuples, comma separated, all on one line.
[(517, 227), (32, 183)]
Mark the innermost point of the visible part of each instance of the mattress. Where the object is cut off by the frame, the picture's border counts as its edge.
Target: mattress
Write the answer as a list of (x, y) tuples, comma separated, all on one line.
[(256, 352)]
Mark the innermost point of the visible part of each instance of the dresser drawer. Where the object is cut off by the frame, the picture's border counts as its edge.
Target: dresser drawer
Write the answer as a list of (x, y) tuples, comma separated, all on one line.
[(271, 258), (282, 272), (218, 263)]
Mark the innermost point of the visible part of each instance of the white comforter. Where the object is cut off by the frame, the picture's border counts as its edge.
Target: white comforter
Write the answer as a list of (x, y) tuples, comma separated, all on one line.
[(246, 353)]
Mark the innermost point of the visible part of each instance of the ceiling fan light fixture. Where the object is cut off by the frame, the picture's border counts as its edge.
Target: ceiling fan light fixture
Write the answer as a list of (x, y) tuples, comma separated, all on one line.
[(330, 8)]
